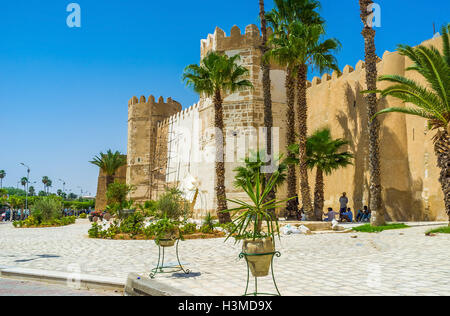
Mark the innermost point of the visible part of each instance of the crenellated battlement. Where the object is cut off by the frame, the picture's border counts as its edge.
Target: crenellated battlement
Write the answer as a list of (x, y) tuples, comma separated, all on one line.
[(219, 41), (180, 115), (152, 101)]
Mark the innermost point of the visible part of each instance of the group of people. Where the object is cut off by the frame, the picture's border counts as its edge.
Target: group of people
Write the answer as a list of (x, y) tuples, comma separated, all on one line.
[(10, 215), (345, 214)]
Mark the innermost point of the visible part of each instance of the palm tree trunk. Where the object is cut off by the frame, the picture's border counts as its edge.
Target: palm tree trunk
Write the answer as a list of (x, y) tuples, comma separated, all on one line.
[(220, 160), (302, 113), (319, 195), (109, 181), (442, 150), (368, 33), (292, 205), (266, 83)]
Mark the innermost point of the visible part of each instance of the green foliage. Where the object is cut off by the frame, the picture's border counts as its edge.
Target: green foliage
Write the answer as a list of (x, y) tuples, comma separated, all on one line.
[(47, 208), (441, 230), (172, 205), (217, 73), (189, 228), (166, 227), (148, 209), (15, 191), (109, 162), (83, 215), (368, 228), (323, 152), (208, 224), (33, 221), (297, 38), (250, 216), (432, 100), (253, 165)]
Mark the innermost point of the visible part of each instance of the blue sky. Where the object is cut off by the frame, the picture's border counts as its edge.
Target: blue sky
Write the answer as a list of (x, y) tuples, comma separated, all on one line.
[(64, 92)]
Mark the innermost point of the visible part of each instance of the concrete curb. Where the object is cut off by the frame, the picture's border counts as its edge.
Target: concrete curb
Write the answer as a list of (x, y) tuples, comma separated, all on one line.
[(70, 279), (141, 286)]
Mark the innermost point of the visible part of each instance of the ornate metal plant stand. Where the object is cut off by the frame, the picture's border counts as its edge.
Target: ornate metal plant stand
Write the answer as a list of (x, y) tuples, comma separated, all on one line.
[(256, 293), (160, 268)]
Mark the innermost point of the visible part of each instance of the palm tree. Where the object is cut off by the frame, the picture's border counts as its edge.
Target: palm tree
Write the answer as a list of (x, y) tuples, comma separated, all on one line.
[(24, 182), (297, 44), (266, 85), (431, 101), (45, 181), (31, 191), (2, 176), (371, 58), (218, 74), (48, 185), (253, 166), (323, 153), (109, 163)]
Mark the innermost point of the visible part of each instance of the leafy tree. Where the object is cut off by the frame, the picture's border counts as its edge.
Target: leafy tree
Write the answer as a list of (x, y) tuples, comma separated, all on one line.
[(430, 101), (218, 74), (172, 205), (325, 154), (42, 193), (2, 176), (109, 163), (15, 191), (31, 191), (117, 196)]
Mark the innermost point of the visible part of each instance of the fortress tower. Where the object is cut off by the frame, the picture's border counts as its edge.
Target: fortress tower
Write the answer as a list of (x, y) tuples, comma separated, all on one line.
[(143, 119)]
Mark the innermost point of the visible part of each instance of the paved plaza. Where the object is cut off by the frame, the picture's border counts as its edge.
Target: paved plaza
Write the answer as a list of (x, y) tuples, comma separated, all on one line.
[(397, 262)]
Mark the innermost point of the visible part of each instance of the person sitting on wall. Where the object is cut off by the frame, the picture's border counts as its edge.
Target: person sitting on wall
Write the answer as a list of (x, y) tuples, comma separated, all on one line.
[(331, 215), (366, 215), (347, 216), (359, 216)]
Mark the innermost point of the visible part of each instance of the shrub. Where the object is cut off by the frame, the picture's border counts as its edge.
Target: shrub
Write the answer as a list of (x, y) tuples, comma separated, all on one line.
[(47, 208), (189, 228), (172, 205), (83, 215)]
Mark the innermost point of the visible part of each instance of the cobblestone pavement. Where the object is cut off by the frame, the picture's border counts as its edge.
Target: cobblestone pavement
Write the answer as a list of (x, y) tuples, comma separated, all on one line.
[(25, 288), (397, 262)]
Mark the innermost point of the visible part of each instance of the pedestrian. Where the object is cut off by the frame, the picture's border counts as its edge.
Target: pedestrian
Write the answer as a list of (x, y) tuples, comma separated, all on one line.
[(343, 201)]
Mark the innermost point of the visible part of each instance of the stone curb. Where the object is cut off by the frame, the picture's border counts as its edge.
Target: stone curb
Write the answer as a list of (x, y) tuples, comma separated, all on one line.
[(138, 285), (70, 279)]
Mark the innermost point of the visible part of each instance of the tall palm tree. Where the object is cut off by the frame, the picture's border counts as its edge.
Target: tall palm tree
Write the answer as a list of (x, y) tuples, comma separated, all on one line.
[(266, 85), (24, 182), (218, 74), (297, 42), (371, 58), (45, 181), (49, 185), (325, 155), (2, 176), (431, 100), (109, 163)]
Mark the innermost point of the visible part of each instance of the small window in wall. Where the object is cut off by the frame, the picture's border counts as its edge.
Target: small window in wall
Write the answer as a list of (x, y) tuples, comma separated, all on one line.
[(139, 160), (354, 104)]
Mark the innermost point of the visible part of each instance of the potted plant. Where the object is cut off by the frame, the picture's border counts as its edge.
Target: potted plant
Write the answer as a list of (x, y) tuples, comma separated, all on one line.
[(250, 219), (167, 232)]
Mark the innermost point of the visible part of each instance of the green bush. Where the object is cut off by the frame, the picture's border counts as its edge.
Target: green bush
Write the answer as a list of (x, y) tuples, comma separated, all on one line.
[(172, 205), (189, 228), (35, 222), (83, 215), (47, 208)]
